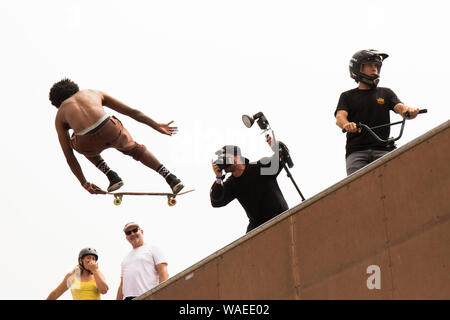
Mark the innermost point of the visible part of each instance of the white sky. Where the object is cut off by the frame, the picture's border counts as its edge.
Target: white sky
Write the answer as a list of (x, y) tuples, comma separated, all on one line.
[(202, 64)]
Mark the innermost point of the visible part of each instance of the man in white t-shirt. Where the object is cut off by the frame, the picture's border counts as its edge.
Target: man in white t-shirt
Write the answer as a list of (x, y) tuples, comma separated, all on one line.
[(143, 268)]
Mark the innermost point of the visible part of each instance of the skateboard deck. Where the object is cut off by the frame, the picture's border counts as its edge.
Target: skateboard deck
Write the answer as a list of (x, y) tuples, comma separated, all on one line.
[(171, 201)]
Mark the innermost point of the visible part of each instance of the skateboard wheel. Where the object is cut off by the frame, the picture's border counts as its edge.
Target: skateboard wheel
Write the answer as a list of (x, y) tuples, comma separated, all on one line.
[(117, 201), (172, 202)]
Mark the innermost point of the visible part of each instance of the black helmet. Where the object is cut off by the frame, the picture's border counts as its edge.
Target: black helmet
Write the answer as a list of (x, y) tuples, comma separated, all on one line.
[(86, 251), (365, 56)]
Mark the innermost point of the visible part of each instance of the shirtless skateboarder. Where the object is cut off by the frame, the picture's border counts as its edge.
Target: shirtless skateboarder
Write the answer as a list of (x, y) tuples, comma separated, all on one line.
[(94, 131)]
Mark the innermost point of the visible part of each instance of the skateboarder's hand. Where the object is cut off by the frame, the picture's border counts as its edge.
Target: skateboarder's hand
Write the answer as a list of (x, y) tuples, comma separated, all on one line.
[(93, 189), (165, 128)]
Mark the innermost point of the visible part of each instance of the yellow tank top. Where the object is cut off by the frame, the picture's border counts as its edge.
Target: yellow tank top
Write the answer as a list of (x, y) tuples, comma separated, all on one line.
[(84, 290)]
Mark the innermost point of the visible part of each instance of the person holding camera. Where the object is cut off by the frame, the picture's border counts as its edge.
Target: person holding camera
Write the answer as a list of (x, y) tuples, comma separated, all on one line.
[(254, 185), (370, 105)]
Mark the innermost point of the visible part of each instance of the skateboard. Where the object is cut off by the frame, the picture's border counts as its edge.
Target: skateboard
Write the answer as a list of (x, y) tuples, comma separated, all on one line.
[(171, 201)]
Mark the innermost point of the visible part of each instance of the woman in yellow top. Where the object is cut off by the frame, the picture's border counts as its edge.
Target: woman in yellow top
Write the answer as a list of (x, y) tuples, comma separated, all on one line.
[(86, 282)]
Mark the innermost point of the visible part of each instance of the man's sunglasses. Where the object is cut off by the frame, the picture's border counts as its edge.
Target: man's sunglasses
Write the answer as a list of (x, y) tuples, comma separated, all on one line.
[(131, 231)]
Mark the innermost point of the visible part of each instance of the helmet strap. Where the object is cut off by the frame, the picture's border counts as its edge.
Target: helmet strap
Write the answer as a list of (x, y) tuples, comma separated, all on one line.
[(83, 268), (373, 83)]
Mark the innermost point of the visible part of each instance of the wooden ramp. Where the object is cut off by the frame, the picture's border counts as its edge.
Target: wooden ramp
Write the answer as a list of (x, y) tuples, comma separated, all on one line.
[(381, 233)]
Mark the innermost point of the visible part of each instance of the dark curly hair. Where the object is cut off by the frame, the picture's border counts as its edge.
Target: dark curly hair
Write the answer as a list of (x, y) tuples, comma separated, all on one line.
[(62, 90)]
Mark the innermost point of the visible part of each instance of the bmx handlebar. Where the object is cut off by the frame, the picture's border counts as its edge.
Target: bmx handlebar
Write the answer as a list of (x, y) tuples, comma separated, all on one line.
[(361, 125)]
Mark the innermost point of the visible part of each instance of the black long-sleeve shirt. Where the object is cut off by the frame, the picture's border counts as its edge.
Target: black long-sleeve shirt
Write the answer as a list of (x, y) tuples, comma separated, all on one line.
[(257, 191)]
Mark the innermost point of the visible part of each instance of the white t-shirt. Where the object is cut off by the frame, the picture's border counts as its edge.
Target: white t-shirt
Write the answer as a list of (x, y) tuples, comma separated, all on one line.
[(139, 270)]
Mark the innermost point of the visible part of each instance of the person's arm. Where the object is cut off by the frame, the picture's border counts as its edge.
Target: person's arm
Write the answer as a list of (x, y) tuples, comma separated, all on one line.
[(55, 294), (119, 291), (101, 282), (401, 109), (220, 193), (272, 166), (343, 123), (98, 276), (64, 141), (137, 115), (342, 110), (162, 272)]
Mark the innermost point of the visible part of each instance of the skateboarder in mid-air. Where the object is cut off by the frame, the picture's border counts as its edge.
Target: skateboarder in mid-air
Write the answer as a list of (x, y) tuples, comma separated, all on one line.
[(94, 131)]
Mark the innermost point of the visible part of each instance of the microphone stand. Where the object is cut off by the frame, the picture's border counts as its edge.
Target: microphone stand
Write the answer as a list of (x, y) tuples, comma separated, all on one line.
[(275, 143)]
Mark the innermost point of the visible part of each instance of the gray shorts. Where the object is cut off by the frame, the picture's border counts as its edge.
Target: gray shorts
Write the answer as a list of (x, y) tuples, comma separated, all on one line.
[(359, 159)]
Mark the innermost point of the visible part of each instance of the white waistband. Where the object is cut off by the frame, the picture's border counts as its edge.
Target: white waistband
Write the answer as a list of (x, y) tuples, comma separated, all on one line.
[(92, 127)]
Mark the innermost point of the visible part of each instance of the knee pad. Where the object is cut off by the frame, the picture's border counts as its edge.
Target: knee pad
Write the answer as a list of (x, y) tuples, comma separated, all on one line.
[(136, 152)]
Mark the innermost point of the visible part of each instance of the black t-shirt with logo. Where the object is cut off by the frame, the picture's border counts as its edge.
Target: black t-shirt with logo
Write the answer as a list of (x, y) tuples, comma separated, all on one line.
[(370, 107)]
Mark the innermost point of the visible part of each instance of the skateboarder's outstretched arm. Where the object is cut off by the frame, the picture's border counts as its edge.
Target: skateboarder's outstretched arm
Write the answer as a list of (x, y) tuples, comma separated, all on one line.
[(137, 115)]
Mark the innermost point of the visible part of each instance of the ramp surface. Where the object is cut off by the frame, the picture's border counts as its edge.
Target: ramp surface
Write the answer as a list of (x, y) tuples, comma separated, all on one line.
[(392, 216)]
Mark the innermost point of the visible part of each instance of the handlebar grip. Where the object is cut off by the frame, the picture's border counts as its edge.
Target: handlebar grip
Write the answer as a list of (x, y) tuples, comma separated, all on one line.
[(358, 126), (420, 111)]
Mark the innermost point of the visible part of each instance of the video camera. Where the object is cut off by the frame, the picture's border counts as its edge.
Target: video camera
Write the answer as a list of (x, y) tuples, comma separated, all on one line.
[(284, 154)]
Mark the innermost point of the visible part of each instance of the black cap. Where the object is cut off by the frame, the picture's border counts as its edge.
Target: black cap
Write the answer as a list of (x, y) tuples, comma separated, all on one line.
[(229, 149)]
